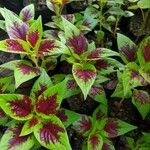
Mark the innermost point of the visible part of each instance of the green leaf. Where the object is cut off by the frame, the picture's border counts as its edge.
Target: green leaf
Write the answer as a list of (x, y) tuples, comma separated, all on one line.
[(29, 126), (11, 65), (107, 144), (114, 127), (68, 117), (12, 141), (3, 118), (34, 34), (24, 72), (127, 48), (17, 106), (69, 29), (4, 83), (141, 100), (95, 142), (49, 101), (85, 76), (41, 84), (2, 25), (52, 134), (126, 76), (144, 4)]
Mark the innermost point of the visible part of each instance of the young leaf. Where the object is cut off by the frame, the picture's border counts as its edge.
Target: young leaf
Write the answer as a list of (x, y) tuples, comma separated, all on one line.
[(71, 87), (84, 76), (100, 112), (24, 72), (141, 100), (29, 126), (17, 106), (115, 127), (41, 84), (15, 27), (68, 117), (98, 94), (83, 125), (127, 48), (95, 142), (11, 140), (52, 134), (17, 46), (34, 34), (49, 101), (107, 145), (27, 13)]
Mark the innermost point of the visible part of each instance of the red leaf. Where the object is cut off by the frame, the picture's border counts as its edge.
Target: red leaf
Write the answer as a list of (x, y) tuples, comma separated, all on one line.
[(46, 46), (101, 64), (136, 75), (71, 84), (85, 124), (33, 122), (14, 45), (47, 105), (27, 15), (16, 139), (95, 90), (78, 43), (69, 17), (2, 113), (18, 31), (62, 116), (85, 75), (49, 133), (21, 107), (26, 69), (142, 97), (94, 140), (106, 147), (146, 51), (94, 54), (111, 127), (41, 90), (33, 38), (129, 52)]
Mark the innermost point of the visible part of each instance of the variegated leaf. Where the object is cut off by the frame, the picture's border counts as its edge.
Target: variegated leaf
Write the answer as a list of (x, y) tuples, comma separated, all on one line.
[(41, 84), (27, 13), (84, 76), (34, 34), (17, 46), (141, 100), (52, 134), (49, 101), (68, 117), (17, 106), (11, 140), (24, 72)]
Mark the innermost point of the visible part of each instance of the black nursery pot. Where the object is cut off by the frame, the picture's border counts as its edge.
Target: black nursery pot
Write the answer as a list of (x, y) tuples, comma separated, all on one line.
[(14, 5)]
